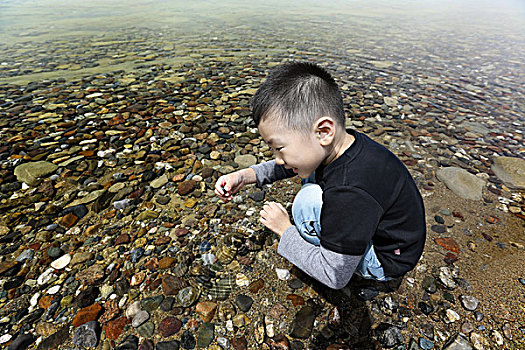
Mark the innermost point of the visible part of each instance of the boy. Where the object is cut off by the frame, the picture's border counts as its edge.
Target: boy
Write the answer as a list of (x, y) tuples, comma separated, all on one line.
[(358, 211)]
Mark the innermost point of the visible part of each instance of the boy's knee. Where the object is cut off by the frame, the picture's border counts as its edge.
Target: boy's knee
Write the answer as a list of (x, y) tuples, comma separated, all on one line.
[(309, 197)]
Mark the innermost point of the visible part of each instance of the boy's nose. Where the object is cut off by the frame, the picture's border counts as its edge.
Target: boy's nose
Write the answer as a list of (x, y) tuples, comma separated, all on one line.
[(279, 160)]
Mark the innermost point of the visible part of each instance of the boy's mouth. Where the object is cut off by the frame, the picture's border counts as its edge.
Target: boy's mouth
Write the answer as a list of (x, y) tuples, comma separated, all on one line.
[(295, 170)]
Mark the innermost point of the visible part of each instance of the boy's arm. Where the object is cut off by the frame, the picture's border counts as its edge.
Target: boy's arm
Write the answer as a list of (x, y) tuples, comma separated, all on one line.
[(328, 267), (268, 172)]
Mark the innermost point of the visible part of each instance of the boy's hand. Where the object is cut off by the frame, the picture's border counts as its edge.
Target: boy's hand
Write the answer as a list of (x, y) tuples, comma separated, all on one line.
[(275, 217), (229, 184)]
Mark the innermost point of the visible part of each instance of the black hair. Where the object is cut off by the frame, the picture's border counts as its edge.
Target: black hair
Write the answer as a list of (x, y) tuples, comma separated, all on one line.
[(297, 94)]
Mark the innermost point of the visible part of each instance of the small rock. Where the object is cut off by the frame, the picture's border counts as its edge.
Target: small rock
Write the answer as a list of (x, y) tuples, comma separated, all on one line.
[(205, 335), (283, 274), (141, 317), (303, 323), (244, 302), (168, 345), (388, 335), (169, 326), (469, 302), (61, 262), (86, 335)]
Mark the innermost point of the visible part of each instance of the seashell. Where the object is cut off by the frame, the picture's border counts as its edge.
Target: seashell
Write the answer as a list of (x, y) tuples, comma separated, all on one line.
[(241, 280), (225, 254), (222, 288), (226, 311), (208, 258)]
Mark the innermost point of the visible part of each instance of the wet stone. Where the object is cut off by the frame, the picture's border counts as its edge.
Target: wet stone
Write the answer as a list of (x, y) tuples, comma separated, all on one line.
[(457, 342), (147, 344), (169, 326), (22, 341), (168, 345), (188, 296), (141, 317), (388, 335), (86, 335), (152, 303), (469, 302), (146, 329), (131, 342), (303, 323), (429, 284), (295, 283), (187, 340), (244, 302)]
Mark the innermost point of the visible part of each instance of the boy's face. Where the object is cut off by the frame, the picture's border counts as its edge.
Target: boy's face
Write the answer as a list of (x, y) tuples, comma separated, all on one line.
[(301, 152)]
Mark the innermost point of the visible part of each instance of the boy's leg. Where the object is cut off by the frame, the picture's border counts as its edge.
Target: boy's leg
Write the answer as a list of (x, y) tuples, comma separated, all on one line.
[(370, 266), (306, 211)]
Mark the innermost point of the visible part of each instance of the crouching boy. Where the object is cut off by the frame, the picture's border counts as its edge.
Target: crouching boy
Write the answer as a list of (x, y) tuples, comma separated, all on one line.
[(358, 210)]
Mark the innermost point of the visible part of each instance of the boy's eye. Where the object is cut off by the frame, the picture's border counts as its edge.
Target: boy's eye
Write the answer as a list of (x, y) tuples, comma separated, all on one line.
[(279, 148)]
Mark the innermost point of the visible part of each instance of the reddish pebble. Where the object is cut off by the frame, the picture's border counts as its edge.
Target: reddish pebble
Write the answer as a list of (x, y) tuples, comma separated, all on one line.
[(448, 244), (114, 328), (122, 239), (256, 285), (169, 326), (295, 299), (89, 313)]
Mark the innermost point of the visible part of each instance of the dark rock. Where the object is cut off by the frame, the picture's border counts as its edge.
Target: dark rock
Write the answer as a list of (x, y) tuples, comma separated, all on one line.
[(303, 323), (187, 340), (87, 296), (131, 342), (205, 335), (244, 302), (438, 228), (147, 345), (168, 345), (425, 308), (55, 340), (295, 283), (169, 326), (388, 335), (365, 294), (429, 284), (439, 219), (258, 196), (22, 342)]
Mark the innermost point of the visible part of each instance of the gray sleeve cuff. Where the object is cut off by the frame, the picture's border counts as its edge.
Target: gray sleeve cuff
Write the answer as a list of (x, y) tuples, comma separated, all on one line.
[(268, 172), (330, 268)]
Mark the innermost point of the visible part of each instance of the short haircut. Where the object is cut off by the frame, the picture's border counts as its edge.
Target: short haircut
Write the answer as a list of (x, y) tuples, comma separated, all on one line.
[(297, 94)]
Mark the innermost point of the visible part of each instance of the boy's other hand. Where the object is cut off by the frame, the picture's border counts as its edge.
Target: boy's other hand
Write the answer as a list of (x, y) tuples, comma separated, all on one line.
[(275, 217)]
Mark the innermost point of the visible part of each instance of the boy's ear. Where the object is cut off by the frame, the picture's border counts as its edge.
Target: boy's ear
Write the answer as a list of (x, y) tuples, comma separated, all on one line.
[(325, 130)]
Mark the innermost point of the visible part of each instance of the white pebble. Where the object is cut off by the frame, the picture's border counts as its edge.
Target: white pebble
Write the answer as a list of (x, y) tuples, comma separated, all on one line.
[(5, 338), (61, 262), (283, 274), (45, 276), (53, 290), (34, 299)]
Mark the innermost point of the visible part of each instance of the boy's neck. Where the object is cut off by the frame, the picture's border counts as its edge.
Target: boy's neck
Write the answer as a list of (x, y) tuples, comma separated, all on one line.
[(341, 143)]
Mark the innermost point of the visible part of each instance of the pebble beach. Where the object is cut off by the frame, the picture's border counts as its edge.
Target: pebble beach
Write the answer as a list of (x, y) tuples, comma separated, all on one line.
[(111, 141)]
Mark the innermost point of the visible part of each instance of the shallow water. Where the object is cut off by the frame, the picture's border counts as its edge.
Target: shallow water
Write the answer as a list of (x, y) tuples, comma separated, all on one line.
[(478, 41)]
